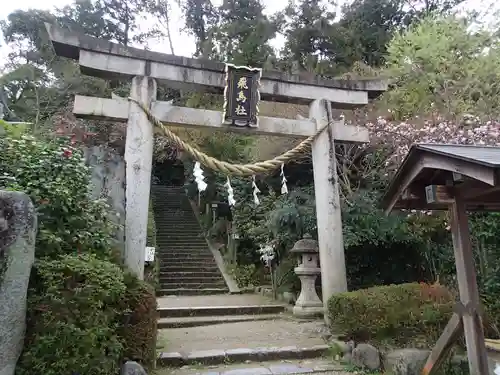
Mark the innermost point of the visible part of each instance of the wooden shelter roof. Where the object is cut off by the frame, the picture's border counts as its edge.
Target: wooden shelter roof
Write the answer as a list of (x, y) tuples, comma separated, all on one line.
[(471, 170)]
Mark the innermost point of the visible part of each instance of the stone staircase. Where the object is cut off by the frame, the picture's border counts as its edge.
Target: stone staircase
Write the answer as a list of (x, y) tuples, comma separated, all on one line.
[(234, 329), (187, 266), (205, 330)]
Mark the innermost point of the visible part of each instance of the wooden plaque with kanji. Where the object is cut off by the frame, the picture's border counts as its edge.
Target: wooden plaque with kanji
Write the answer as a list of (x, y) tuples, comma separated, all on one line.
[(241, 96)]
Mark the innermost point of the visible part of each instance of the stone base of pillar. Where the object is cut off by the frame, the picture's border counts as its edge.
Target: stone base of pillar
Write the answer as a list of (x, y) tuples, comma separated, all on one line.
[(309, 311)]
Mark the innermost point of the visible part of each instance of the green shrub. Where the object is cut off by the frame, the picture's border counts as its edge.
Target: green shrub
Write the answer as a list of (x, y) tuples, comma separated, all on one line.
[(245, 275), (73, 317), (54, 175), (393, 310), (139, 328)]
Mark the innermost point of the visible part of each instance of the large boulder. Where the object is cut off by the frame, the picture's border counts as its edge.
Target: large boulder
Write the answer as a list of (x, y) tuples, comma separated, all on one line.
[(366, 356), (17, 254), (406, 361), (412, 361), (132, 368)]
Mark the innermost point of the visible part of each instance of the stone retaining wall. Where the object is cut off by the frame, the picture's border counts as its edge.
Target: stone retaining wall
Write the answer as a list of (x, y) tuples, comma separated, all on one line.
[(108, 181)]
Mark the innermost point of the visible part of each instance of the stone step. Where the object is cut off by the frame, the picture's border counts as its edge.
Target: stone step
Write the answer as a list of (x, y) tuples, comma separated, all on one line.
[(184, 244), (180, 235), (170, 213), (195, 273), (188, 238), (219, 356), (168, 268), (179, 268), (186, 258), (174, 254), (186, 252), (190, 292), (312, 366), (163, 188), (183, 252), (169, 246), (191, 279), (165, 247), (175, 266), (197, 321), (161, 193), (176, 225), (175, 277), (186, 262), (171, 312), (161, 207), (172, 202), (181, 284), (175, 216), (176, 230)]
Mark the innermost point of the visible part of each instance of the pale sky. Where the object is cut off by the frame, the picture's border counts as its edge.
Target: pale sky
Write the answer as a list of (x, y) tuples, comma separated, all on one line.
[(184, 44)]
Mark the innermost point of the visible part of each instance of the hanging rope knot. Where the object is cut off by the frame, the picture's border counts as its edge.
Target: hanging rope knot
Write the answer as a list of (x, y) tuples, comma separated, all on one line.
[(242, 170)]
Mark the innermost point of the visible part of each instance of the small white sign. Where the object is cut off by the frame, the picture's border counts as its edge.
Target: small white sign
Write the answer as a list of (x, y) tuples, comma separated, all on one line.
[(150, 254), (497, 369)]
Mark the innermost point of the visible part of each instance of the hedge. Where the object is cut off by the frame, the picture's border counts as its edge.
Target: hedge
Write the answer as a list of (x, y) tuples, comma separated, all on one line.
[(385, 311), (73, 317), (86, 316), (139, 328)]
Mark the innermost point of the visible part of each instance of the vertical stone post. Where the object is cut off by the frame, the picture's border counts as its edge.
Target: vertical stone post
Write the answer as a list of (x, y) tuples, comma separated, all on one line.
[(18, 224), (326, 189), (138, 160)]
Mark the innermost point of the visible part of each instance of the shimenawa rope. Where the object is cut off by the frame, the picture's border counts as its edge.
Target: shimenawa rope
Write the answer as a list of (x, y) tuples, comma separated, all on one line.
[(241, 170)]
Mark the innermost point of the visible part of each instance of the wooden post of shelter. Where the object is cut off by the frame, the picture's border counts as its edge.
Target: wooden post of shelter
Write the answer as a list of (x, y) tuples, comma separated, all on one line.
[(459, 179), (104, 59)]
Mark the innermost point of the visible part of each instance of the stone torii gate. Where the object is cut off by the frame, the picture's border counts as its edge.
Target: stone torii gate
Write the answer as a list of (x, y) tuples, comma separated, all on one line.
[(104, 59)]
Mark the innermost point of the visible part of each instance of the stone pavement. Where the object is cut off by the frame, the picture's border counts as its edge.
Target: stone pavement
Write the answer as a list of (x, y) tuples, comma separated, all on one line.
[(256, 334), (215, 341), (214, 300), (312, 366)]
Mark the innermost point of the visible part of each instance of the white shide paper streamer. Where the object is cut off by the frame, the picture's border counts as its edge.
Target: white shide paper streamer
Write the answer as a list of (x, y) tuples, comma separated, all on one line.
[(199, 178), (284, 188), (255, 192), (230, 193)]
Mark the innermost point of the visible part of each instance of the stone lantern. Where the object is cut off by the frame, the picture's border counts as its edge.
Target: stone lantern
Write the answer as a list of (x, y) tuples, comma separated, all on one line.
[(308, 304)]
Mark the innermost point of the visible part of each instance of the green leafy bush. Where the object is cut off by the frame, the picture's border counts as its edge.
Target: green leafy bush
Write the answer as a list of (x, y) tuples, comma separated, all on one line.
[(73, 318), (54, 175), (245, 275), (392, 310), (139, 329), (84, 315)]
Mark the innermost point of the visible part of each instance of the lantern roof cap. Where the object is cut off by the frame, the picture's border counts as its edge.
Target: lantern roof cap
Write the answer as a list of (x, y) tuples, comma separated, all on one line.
[(306, 245)]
